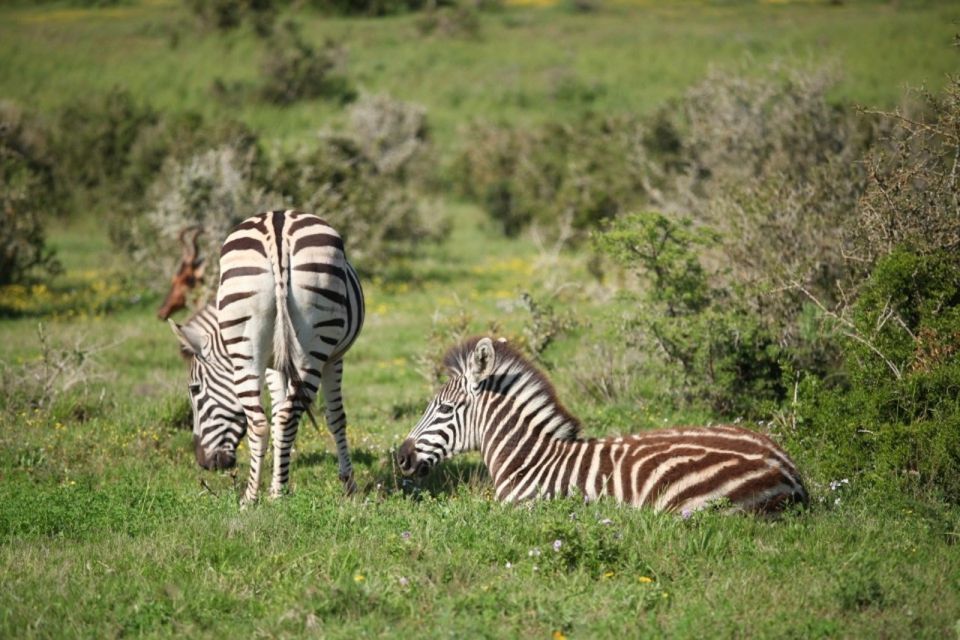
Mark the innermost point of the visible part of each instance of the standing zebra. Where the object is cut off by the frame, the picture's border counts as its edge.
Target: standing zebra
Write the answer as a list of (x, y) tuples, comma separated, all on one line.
[(288, 300), (499, 403)]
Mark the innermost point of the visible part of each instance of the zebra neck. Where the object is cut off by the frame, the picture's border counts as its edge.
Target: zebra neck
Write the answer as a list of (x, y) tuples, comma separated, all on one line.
[(531, 463)]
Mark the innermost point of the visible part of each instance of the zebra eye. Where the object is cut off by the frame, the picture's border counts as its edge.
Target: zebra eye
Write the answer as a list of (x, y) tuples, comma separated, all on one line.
[(194, 388), (445, 408)]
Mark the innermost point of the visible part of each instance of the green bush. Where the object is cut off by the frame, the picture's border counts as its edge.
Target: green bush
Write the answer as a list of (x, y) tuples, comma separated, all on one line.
[(379, 217), (567, 179), (897, 421), (226, 15), (714, 349), (366, 7), (293, 70), (26, 195)]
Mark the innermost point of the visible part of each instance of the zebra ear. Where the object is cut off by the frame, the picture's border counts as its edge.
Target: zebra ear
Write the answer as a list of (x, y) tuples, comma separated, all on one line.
[(481, 363), (191, 340)]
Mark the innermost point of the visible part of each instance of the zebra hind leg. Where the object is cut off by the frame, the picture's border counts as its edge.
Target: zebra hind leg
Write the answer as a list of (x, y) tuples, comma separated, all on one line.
[(337, 421), (286, 421)]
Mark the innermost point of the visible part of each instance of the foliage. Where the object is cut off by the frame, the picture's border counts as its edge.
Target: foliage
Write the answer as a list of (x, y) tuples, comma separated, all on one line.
[(394, 135), (559, 176), (913, 193), (377, 215), (26, 196), (897, 423), (718, 350), (461, 20), (366, 7), (294, 69), (226, 15), (61, 368)]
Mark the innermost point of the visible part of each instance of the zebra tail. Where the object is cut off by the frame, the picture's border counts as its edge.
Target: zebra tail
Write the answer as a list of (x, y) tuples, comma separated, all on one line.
[(287, 352)]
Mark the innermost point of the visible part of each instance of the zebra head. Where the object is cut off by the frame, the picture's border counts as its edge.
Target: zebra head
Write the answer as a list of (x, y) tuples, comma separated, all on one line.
[(448, 426), (218, 419)]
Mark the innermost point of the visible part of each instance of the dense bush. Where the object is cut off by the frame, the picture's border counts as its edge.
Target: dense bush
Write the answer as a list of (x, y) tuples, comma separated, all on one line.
[(225, 15), (713, 349), (897, 422), (294, 69), (26, 198), (394, 135), (566, 178), (379, 217), (913, 194), (215, 189), (366, 7)]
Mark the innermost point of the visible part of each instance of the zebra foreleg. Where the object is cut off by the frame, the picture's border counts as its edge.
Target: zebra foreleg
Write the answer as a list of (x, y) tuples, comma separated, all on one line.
[(337, 421), (257, 439)]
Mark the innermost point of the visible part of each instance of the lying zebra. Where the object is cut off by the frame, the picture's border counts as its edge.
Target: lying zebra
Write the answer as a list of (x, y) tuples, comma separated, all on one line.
[(501, 404)]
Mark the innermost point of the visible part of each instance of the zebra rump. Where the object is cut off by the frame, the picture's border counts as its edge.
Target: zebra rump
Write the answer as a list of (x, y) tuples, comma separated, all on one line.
[(499, 403)]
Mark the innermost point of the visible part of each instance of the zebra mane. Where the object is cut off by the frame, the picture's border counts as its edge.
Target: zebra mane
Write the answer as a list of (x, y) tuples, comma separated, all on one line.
[(512, 361)]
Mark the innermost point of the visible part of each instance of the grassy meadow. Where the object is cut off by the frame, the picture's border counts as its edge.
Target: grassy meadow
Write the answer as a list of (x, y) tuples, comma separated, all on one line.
[(108, 528)]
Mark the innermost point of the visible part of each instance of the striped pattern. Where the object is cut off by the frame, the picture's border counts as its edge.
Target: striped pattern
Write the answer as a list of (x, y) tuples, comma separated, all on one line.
[(288, 307), (499, 403)]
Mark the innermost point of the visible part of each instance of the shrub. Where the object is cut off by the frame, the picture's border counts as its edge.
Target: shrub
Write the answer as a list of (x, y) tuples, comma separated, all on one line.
[(294, 70), (379, 217), (392, 134), (565, 178), (215, 189), (913, 196), (458, 21), (93, 141), (62, 367), (366, 7), (226, 15), (897, 423), (712, 347), (26, 188)]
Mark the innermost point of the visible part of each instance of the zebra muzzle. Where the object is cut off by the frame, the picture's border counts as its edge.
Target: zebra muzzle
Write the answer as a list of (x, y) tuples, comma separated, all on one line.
[(408, 461), (219, 458)]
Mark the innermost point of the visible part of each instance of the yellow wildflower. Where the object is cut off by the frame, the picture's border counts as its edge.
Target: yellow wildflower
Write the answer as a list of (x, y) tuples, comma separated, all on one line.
[(645, 579)]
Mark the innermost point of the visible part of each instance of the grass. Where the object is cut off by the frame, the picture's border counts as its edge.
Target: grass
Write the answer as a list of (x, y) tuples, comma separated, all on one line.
[(627, 57), (108, 527)]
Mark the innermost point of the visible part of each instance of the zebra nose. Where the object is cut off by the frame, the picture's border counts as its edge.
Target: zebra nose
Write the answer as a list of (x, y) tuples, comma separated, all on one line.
[(220, 458), (407, 457)]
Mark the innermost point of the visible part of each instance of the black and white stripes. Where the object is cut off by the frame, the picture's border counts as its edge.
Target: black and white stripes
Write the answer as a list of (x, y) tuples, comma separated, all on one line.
[(499, 403), (289, 306)]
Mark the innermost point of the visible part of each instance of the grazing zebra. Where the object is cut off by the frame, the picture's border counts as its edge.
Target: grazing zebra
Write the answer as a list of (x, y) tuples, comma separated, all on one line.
[(289, 305), (499, 403)]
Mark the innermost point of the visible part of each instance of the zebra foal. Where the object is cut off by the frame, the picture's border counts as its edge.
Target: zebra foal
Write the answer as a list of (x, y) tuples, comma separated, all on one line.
[(288, 307), (499, 403)]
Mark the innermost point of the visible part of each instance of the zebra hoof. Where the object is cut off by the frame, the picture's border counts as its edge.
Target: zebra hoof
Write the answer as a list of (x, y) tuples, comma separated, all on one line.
[(349, 486)]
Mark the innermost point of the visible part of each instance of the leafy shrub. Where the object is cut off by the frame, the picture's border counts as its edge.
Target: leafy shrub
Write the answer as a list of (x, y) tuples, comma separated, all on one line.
[(294, 70), (93, 141), (366, 7), (570, 177), (458, 21), (26, 188), (897, 423), (215, 189), (226, 15), (713, 348), (62, 367), (379, 217), (394, 135), (913, 195)]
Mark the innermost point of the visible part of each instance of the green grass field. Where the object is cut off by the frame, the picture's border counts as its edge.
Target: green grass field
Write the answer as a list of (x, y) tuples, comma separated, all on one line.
[(108, 528)]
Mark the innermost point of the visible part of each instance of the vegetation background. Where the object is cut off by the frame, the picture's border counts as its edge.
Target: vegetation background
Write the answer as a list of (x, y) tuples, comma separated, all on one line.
[(686, 212)]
